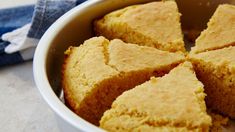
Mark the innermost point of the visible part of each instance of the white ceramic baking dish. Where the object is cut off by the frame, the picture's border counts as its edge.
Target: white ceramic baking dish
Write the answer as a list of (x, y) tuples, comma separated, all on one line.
[(76, 26)]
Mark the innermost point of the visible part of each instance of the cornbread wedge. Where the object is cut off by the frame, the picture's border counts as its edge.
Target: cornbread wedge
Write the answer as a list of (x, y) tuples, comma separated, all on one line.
[(220, 30), (98, 71), (155, 24), (174, 102), (216, 70)]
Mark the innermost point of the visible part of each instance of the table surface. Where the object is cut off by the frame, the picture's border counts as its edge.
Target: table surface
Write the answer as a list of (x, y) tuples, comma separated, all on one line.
[(22, 108)]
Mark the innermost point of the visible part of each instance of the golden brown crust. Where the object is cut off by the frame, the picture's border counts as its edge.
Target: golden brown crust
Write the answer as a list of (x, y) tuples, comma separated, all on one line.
[(68, 101)]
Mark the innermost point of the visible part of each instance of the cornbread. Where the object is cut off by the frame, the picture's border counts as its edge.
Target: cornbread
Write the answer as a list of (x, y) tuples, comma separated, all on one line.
[(155, 24), (216, 70), (99, 70), (174, 102), (218, 121), (220, 30)]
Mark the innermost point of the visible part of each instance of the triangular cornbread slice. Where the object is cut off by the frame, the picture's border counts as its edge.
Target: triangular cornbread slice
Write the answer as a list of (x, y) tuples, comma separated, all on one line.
[(155, 24), (174, 102), (220, 30), (98, 71), (216, 70)]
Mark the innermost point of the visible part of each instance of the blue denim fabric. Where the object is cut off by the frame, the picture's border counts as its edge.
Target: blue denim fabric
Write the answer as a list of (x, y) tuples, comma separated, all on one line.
[(13, 18), (41, 16), (46, 12), (9, 59)]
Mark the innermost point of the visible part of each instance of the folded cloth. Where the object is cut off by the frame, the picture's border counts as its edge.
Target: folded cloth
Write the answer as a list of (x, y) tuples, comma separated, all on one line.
[(11, 19), (22, 27)]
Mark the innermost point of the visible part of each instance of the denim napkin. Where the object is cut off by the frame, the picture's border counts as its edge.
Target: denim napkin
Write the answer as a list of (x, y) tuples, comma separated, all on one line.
[(22, 27)]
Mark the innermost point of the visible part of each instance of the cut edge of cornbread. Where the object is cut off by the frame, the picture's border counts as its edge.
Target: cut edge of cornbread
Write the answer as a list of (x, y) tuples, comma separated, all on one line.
[(89, 95), (146, 107), (117, 25), (219, 32), (216, 70)]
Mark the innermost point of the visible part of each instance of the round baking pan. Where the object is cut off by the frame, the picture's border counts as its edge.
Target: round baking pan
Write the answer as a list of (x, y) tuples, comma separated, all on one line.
[(76, 26)]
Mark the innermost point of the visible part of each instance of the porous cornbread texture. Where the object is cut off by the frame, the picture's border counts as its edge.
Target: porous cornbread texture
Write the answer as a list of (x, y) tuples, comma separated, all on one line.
[(98, 71), (174, 102), (155, 24), (220, 30), (216, 70), (218, 122)]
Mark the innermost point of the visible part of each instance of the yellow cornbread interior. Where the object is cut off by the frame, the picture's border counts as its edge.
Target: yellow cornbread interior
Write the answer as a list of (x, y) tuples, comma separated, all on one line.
[(98, 71), (174, 102), (220, 30), (216, 70), (155, 24)]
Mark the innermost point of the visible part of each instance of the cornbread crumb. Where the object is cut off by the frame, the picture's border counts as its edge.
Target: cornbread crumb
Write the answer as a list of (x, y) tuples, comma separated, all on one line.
[(98, 71), (220, 30), (218, 121), (68, 51), (155, 24), (174, 102)]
